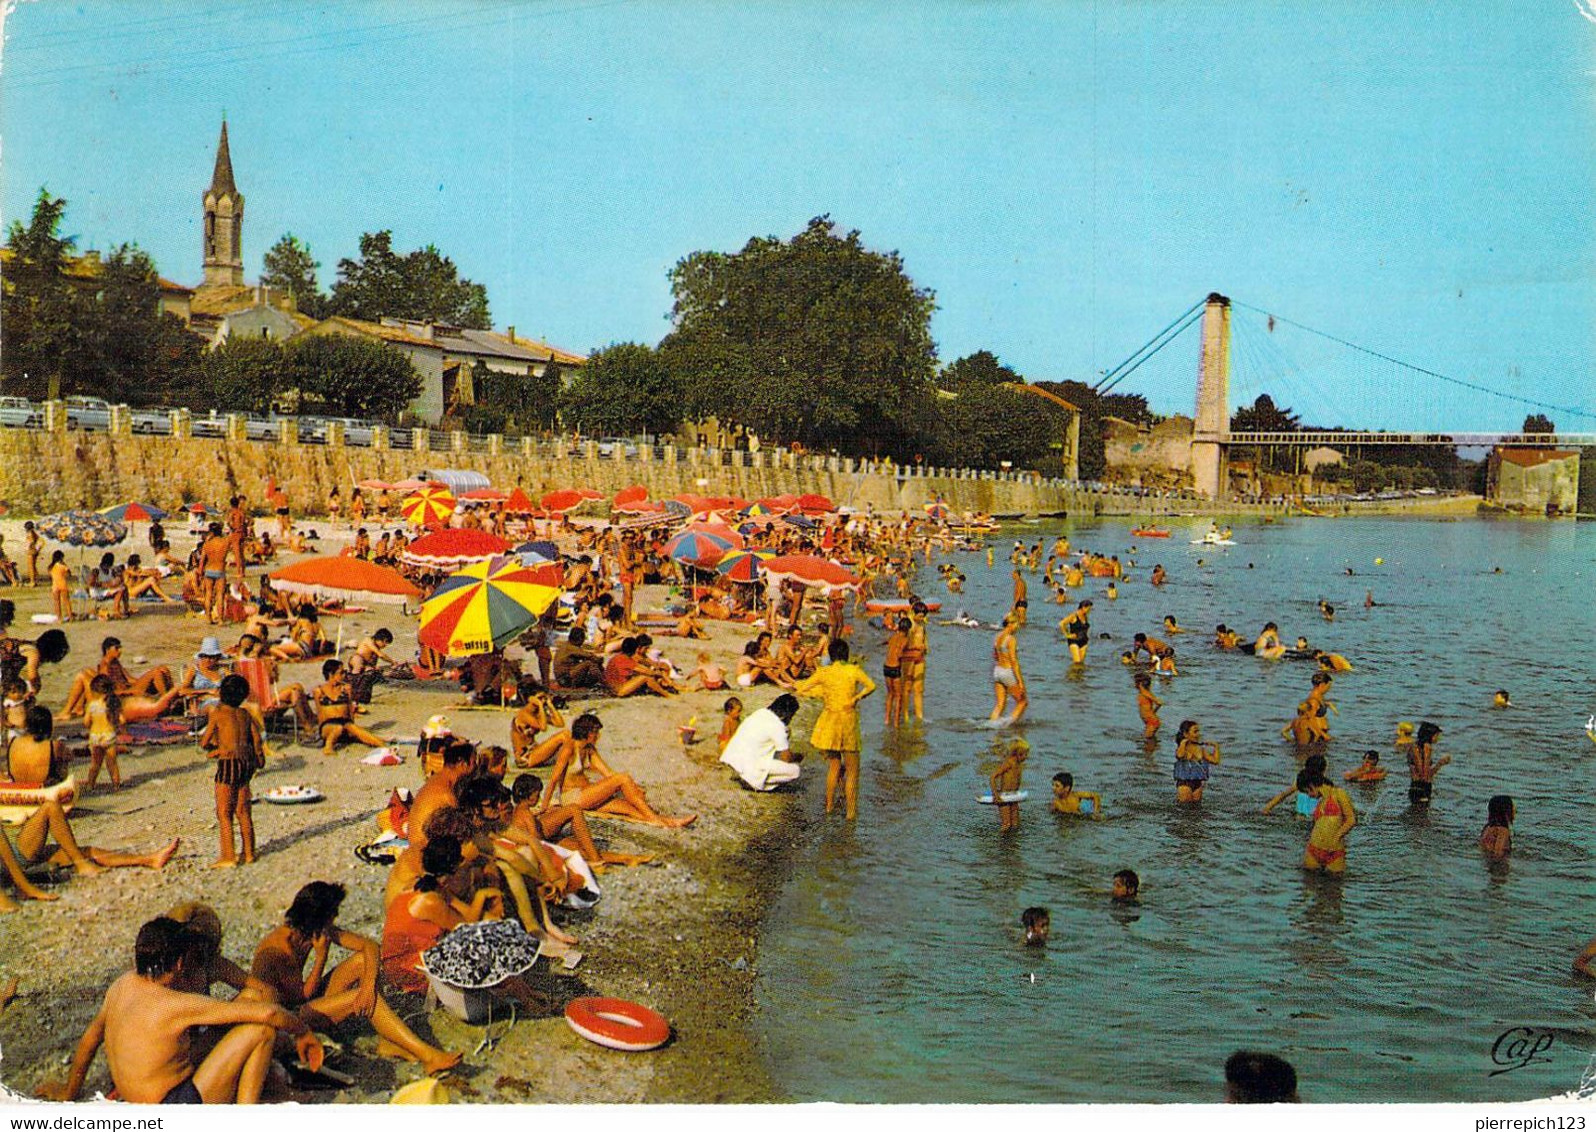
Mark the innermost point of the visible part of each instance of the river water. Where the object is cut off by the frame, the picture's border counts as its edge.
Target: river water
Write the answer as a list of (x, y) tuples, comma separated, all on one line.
[(890, 969)]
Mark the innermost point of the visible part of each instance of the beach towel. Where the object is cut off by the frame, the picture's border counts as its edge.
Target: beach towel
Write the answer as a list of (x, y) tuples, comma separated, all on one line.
[(157, 732)]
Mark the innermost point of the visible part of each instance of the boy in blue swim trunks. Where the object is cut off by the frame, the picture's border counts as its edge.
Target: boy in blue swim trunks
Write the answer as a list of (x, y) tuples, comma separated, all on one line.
[(144, 1022)]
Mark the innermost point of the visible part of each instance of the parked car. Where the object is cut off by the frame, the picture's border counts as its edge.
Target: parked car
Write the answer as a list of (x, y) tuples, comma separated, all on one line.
[(19, 412), (608, 444), (88, 413)]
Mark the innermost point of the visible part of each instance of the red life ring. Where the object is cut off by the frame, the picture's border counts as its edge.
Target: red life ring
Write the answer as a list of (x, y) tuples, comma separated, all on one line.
[(618, 1024)]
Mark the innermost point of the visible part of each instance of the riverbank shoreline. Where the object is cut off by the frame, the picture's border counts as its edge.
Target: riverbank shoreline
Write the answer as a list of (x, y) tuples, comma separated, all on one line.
[(680, 935)]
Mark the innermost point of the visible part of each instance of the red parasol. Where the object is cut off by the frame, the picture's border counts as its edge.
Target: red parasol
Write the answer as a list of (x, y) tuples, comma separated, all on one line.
[(345, 578), (810, 570), (518, 504), (562, 501), (453, 548), (815, 503), (634, 494), (486, 494)]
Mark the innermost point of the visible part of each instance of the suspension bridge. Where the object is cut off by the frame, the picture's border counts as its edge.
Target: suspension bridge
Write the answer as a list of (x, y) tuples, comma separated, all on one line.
[(1213, 438)]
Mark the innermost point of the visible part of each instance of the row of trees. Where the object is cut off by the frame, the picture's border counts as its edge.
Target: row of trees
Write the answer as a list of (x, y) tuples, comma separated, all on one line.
[(311, 373)]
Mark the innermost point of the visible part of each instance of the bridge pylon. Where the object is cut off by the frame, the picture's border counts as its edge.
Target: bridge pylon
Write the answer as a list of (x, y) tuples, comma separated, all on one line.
[(1209, 456)]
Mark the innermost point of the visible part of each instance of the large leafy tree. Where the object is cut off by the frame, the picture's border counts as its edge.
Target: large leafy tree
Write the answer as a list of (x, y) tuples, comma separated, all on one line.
[(1538, 423), (244, 374), (984, 422), (423, 285), (132, 352), (624, 388), (352, 377), (40, 308), (981, 368), (816, 339), (289, 266)]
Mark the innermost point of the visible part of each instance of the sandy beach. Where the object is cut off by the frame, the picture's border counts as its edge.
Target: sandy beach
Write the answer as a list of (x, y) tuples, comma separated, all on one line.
[(678, 935)]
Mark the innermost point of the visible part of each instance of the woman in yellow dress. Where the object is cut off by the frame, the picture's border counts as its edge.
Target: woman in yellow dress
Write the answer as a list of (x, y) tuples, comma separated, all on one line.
[(840, 686)]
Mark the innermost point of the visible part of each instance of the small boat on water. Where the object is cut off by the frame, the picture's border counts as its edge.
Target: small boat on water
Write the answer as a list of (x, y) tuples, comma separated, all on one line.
[(1149, 532)]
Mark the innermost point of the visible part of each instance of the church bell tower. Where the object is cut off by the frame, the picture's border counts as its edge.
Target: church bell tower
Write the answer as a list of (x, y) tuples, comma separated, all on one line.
[(224, 223)]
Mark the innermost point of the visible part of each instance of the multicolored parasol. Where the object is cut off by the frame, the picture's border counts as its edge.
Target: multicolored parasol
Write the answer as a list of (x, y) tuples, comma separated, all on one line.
[(744, 565), (134, 512), (81, 528), (428, 506), (487, 605)]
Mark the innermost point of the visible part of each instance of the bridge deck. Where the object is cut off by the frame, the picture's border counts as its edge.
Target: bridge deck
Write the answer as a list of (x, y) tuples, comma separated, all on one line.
[(1450, 439)]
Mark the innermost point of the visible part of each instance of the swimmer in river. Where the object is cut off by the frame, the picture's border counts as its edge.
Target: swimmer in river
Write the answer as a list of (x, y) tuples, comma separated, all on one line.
[(1165, 664), (1128, 886), (1171, 626), (1224, 637), (1333, 819), (1112, 593), (1268, 645), (1147, 705), (1037, 924), (1127, 659), (1423, 765), (1159, 577), (1496, 840), (1368, 599), (1192, 760), (1006, 780), (1008, 682), (1331, 661), (1369, 770), (1501, 699), (1302, 729), (1068, 800), (1326, 610), (1077, 630)]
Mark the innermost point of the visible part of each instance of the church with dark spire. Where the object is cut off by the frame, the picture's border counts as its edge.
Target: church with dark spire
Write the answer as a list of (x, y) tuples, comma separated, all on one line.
[(224, 223)]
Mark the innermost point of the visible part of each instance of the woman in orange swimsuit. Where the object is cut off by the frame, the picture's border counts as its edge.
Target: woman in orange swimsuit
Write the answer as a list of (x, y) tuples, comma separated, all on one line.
[(1333, 819)]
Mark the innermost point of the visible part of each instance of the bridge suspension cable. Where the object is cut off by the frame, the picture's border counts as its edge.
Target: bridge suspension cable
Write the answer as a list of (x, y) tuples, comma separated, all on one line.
[(1532, 402), (1152, 346)]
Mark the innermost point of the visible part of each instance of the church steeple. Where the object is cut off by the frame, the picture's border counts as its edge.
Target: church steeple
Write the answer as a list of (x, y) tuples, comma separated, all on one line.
[(224, 222)]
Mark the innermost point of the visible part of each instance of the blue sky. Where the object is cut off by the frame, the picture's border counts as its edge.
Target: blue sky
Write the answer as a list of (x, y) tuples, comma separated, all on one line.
[(1415, 178)]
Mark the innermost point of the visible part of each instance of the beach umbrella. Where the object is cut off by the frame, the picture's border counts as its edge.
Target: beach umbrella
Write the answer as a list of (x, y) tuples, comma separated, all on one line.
[(810, 570), (634, 494), (345, 578), (376, 485), (696, 548), (487, 605), (760, 509), (450, 549), (639, 507), (744, 565), (937, 511), (428, 506), (815, 503), (718, 530), (676, 509), (134, 512), (81, 529), (562, 501), (485, 495), (482, 954), (540, 549), (803, 522), (517, 503)]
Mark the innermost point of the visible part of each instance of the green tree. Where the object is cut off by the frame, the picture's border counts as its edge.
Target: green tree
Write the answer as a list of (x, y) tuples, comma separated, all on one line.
[(423, 286), (289, 266), (244, 374), (816, 339), (1538, 423), (40, 309), (988, 424), (624, 388), (1264, 416), (977, 369), (350, 377), (129, 350)]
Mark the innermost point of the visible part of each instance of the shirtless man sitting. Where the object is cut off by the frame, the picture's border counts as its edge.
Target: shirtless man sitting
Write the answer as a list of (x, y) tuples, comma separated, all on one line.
[(152, 684), (460, 761), (144, 1024)]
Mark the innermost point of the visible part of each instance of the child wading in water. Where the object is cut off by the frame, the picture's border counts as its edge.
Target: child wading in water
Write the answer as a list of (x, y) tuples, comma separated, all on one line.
[(1068, 800), (233, 738), (103, 714), (1006, 780), (1038, 925), (1147, 705), (1496, 840), (1192, 759)]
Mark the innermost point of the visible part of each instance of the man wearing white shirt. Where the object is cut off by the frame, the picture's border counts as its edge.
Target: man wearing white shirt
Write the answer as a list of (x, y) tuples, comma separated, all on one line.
[(760, 752)]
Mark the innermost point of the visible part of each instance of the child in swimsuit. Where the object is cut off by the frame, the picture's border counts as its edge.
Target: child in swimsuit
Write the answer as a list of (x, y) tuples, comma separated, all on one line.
[(1147, 705), (1496, 840), (732, 720), (1006, 780), (711, 676), (1068, 800), (1369, 770), (103, 714)]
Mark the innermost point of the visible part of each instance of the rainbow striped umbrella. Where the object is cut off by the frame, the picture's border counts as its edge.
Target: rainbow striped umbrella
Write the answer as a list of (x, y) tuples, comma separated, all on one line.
[(937, 511), (487, 605), (133, 513), (697, 548), (429, 506), (744, 565)]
